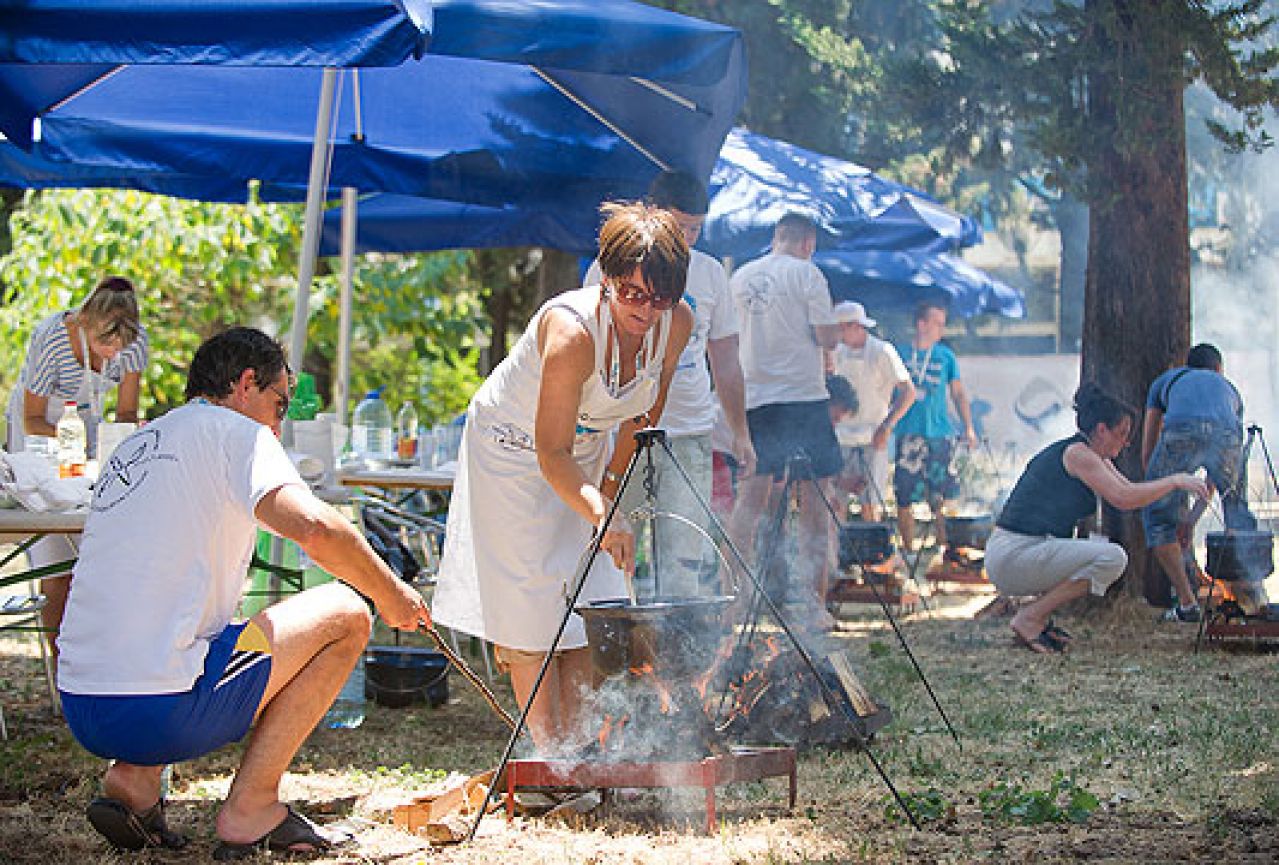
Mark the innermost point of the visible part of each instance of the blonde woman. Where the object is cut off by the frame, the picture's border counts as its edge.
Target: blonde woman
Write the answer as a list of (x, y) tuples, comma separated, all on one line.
[(77, 355)]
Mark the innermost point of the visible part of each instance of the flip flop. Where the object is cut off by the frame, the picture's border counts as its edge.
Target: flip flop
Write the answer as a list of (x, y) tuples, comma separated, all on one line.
[(1061, 635), (130, 830), (295, 834), (1044, 644)]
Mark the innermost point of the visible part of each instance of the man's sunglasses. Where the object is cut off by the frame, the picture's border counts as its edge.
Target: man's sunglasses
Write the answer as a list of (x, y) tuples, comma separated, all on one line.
[(633, 295)]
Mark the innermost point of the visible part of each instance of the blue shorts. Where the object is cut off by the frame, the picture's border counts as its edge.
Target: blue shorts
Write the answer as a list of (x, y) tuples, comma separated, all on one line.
[(155, 729), (1186, 446)]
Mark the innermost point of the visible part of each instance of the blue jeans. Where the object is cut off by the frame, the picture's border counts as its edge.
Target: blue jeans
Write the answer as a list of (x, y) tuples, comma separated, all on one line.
[(1186, 446)]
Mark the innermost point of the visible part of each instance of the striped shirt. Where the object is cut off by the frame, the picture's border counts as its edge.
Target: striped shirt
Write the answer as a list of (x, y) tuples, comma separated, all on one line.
[(51, 369)]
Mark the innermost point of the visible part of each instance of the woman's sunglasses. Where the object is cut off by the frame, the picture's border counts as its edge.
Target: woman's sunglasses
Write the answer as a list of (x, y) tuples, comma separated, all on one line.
[(633, 294)]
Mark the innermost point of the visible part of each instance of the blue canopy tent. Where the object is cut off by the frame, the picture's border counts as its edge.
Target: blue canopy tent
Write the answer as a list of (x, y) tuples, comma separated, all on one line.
[(759, 179), (51, 50), (528, 103), (884, 240), (882, 278), (22, 170)]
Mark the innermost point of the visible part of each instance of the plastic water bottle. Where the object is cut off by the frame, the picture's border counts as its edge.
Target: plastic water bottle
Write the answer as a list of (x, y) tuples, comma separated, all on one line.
[(347, 711), (406, 432), (371, 429), (72, 442)]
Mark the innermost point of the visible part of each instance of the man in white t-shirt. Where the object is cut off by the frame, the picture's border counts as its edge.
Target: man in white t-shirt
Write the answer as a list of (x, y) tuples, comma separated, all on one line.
[(153, 670), (682, 552), (785, 310), (884, 393)]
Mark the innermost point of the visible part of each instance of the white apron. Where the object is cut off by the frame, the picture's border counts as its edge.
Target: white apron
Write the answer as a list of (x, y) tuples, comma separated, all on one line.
[(513, 546)]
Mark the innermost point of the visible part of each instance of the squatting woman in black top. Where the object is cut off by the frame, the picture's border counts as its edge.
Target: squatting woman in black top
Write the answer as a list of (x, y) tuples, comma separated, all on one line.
[(1033, 551)]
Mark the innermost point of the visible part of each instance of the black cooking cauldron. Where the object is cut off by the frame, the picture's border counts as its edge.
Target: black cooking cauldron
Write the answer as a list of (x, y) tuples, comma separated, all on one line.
[(971, 532), (865, 543), (1241, 556), (677, 637)]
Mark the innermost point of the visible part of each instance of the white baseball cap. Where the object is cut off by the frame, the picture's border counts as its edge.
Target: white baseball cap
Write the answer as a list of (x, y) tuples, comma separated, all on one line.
[(852, 311)]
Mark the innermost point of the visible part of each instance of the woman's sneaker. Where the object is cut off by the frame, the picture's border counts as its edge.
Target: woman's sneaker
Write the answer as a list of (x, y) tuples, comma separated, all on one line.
[(1177, 613)]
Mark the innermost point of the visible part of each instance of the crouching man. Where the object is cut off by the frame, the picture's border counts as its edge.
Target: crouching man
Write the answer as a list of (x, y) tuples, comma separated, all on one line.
[(153, 669)]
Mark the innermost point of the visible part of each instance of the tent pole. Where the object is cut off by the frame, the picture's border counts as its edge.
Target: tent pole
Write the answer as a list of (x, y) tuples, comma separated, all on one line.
[(315, 189), (342, 384)]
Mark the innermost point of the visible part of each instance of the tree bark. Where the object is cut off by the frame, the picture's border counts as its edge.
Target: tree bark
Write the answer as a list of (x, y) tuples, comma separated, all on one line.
[(1137, 295)]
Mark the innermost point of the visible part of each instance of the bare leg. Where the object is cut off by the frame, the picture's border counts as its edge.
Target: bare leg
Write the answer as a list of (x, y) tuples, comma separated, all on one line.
[(1169, 558), (814, 538), (316, 638), (870, 512), (55, 590), (543, 717), (939, 520), (906, 526), (138, 787), (1032, 618), (575, 681)]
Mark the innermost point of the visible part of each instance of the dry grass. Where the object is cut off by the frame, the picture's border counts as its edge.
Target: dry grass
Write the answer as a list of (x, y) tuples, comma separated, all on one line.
[(1179, 749)]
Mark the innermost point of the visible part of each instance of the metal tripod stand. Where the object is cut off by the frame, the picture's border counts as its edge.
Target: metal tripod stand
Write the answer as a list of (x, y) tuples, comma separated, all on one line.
[(646, 439), (1254, 435)]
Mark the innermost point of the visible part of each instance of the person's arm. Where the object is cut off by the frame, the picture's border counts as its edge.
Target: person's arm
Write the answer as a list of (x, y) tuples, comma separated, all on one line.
[(730, 387), (1151, 427), (126, 404), (330, 540), (33, 420), (960, 397), (568, 358), (1101, 476), (826, 335), (903, 399)]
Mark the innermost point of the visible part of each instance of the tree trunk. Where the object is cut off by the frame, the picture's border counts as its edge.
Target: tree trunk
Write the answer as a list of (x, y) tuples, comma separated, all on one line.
[(1071, 217), (1137, 296)]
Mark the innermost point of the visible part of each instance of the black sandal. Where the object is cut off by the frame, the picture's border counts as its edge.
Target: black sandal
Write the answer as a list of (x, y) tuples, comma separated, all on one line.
[(125, 829), (294, 834), (1061, 635)]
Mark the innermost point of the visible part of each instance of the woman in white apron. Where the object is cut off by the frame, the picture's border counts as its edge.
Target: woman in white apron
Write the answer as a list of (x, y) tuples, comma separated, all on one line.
[(534, 454), (76, 355)]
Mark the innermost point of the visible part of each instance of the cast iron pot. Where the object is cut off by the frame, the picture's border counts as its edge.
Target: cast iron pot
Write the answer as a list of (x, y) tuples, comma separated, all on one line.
[(1241, 556), (398, 676), (677, 637), (865, 543), (971, 532)]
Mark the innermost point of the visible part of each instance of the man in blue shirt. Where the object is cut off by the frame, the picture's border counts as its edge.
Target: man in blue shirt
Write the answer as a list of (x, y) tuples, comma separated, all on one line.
[(1194, 420), (925, 435)]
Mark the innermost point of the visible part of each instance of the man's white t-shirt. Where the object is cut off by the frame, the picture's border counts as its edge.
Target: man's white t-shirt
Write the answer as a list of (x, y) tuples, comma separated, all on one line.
[(690, 403), (779, 299), (874, 370), (166, 549)]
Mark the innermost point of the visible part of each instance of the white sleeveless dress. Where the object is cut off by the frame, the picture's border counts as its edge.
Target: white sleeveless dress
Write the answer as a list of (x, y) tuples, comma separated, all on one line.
[(513, 546)]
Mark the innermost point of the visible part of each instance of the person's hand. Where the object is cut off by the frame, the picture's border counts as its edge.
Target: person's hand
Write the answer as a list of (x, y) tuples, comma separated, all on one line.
[(619, 543), (970, 437), (1193, 485), (744, 453), (879, 441), (403, 608)]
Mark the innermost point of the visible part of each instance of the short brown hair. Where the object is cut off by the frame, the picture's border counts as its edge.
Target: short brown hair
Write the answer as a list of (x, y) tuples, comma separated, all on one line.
[(112, 310), (637, 235)]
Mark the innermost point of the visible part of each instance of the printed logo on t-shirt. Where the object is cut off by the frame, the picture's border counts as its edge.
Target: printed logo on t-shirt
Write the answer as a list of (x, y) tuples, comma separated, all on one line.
[(128, 469), (759, 293)]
